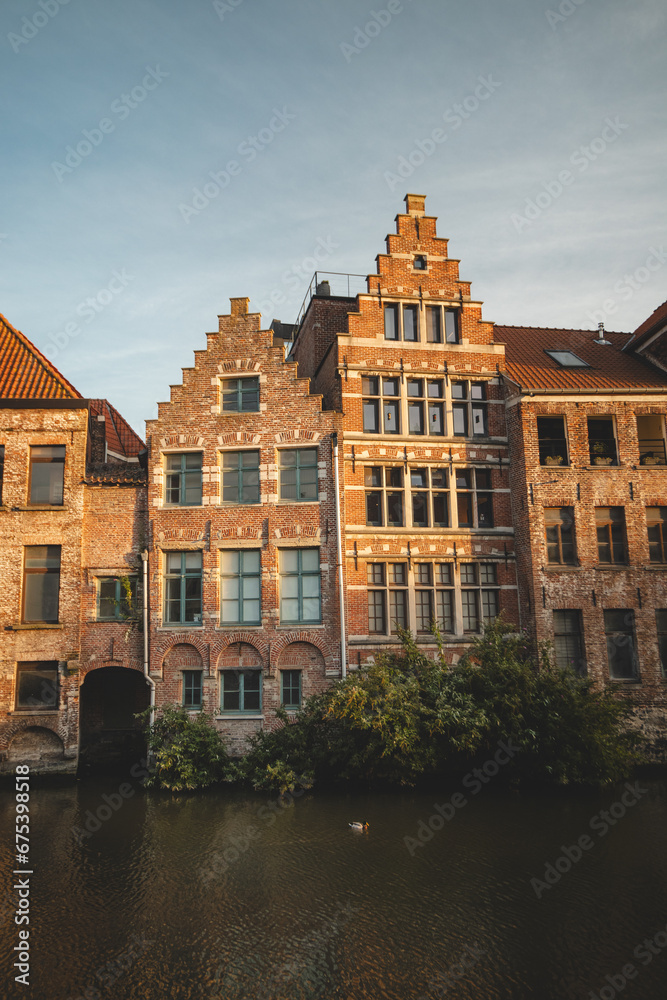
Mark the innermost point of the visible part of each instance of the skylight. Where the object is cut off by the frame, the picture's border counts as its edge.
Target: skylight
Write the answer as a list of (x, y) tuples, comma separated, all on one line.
[(568, 359)]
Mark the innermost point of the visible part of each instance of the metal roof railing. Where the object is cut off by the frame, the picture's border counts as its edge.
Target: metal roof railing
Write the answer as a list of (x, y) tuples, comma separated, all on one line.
[(340, 285)]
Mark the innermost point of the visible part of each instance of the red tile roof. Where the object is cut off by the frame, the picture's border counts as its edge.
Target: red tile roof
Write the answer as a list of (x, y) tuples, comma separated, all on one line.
[(25, 373), (656, 320), (120, 437), (116, 475), (529, 365)]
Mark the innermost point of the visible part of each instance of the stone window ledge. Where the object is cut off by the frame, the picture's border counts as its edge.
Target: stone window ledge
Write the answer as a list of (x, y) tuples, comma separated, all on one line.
[(249, 716), (561, 568), (41, 712), (24, 626), (637, 681), (613, 568), (41, 506)]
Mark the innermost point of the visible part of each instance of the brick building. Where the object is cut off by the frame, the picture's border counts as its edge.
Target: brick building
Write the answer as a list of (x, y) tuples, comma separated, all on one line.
[(243, 595), (71, 496), (415, 371), (481, 469)]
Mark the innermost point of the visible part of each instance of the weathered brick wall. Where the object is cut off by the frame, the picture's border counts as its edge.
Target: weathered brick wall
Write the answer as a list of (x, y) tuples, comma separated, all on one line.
[(289, 415)]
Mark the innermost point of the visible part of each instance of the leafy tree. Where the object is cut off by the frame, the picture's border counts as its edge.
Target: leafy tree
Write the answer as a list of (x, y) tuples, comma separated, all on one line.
[(187, 750)]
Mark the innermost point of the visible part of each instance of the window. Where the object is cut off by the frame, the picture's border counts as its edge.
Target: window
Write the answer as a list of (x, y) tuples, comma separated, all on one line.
[(240, 583), (300, 585), (37, 686), (384, 496), (41, 583), (661, 625), (419, 262), (47, 475), (415, 406), (568, 641), (610, 524), (386, 401), (240, 477), (192, 688), (184, 479), (290, 682), (387, 588), (241, 690), (479, 598), (559, 530), (429, 489), (567, 359), (474, 498), (239, 395), (469, 409), (552, 441), (183, 588), (656, 525), (619, 628), (436, 318), (401, 323), (434, 596), (601, 441), (116, 597), (651, 436), (298, 474), (436, 416), (2, 467)]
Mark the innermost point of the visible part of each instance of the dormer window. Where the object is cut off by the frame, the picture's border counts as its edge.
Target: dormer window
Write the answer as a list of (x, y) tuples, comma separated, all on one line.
[(567, 359)]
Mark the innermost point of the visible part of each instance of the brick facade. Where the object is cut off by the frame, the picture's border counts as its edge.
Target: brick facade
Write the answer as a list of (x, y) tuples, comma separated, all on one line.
[(470, 484)]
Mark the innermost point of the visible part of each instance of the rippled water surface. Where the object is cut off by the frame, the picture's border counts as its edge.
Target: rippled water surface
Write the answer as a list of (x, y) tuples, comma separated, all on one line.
[(229, 895)]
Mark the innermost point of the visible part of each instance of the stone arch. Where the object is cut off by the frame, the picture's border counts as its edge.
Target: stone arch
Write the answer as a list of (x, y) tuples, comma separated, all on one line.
[(36, 743)]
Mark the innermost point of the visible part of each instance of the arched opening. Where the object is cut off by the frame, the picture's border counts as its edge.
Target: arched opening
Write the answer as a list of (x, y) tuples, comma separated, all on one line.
[(110, 735), (35, 743)]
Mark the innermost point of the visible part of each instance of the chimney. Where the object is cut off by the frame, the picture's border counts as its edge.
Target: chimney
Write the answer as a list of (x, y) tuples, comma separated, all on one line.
[(415, 204), (600, 339), (239, 307)]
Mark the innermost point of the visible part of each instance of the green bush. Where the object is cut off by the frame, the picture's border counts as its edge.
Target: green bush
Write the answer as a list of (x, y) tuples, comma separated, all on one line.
[(406, 718), (187, 751)]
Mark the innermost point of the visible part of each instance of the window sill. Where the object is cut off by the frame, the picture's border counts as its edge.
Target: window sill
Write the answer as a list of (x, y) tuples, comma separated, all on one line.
[(41, 506), (249, 716), (290, 626), (235, 626), (656, 567), (34, 711), (33, 625), (185, 626), (562, 568), (182, 506), (613, 567), (625, 680)]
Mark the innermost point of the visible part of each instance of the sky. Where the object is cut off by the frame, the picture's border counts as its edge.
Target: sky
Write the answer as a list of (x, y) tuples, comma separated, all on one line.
[(160, 157)]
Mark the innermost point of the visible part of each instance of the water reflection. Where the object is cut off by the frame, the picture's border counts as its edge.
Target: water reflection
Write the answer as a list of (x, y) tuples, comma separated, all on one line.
[(232, 895)]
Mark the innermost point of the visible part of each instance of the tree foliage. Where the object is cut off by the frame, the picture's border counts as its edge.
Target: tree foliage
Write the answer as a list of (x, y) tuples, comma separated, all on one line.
[(406, 718), (186, 750)]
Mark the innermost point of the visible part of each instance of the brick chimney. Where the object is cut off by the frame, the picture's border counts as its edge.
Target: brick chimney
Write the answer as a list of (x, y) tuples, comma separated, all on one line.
[(415, 204)]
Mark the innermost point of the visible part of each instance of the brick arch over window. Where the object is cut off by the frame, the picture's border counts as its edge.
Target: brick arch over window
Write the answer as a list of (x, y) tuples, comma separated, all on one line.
[(301, 656), (182, 655), (305, 639), (240, 656)]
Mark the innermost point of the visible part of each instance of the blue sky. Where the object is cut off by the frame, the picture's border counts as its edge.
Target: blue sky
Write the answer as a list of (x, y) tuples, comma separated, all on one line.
[(536, 130)]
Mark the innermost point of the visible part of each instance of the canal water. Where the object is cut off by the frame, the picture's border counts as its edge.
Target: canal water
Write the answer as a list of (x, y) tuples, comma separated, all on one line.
[(224, 894)]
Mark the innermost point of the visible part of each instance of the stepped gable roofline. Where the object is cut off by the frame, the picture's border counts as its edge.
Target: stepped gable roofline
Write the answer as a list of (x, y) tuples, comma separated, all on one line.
[(606, 366), (26, 373), (120, 438), (649, 329)]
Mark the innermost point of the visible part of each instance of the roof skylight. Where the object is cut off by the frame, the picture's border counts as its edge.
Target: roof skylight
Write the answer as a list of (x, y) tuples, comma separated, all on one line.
[(568, 359)]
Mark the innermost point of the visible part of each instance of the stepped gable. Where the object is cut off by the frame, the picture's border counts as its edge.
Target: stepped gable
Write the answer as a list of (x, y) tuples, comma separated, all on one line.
[(25, 373), (607, 366)]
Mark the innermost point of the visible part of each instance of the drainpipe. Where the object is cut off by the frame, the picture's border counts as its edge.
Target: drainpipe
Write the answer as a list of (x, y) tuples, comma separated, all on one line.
[(339, 552), (149, 680)]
